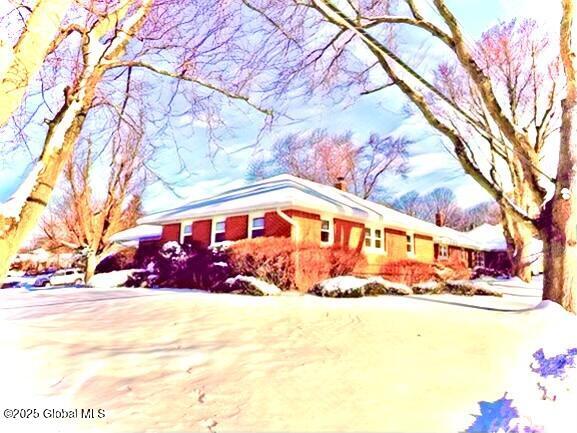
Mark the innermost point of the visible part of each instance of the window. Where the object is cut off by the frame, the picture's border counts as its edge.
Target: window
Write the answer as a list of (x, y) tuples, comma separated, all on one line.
[(368, 238), (187, 229), (479, 258), (378, 239), (219, 231), (325, 231), (374, 238), (257, 227), (410, 244), (443, 251)]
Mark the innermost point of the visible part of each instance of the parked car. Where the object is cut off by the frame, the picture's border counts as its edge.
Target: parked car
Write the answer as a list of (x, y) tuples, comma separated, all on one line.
[(65, 277), (43, 279), (13, 279)]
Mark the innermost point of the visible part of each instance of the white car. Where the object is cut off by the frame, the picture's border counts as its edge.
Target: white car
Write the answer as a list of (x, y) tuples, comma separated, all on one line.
[(65, 277)]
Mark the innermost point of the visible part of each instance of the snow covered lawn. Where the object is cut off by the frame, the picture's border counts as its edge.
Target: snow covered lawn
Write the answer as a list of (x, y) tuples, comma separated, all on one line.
[(165, 360)]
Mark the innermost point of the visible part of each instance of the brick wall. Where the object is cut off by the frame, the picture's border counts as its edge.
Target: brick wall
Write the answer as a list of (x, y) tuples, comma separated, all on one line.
[(275, 225), (201, 231), (170, 232), (236, 228), (349, 234)]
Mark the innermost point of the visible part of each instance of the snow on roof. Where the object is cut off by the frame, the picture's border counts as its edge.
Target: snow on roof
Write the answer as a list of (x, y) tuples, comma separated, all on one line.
[(490, 236), (286, 191), (140, 232)]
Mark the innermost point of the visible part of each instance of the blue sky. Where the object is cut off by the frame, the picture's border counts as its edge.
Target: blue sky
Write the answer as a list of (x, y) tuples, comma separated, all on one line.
[(431, 165)]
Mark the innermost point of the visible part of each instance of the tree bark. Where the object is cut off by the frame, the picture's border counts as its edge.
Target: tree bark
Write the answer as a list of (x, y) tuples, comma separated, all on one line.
[(520, 238), (28, 55), (559, 222), (91, 262)]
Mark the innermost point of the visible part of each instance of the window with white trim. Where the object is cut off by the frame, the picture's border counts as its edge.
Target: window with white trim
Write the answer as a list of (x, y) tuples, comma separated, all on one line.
[(219, 234), (374, 238), (443, 251), (410, 243), (325, 231), (187, 229), (257, 227)]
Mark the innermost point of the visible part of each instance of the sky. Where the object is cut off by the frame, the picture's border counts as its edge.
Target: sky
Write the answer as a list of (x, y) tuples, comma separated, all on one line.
[(431, 166)]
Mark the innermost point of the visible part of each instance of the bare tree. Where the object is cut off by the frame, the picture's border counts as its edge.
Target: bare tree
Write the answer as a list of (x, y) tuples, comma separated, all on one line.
[(409, 203), (500, 143), (441, 202), (106, 52), (86, 215), (323, 157)]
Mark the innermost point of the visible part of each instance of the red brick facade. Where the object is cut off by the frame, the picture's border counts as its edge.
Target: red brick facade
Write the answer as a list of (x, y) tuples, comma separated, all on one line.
[(236, 228), (201, 232), (170, 232), (344, 231), (275, 225)]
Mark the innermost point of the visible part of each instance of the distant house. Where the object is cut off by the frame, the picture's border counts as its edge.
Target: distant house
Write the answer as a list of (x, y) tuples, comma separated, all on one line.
[(494, 243), (302, 210)]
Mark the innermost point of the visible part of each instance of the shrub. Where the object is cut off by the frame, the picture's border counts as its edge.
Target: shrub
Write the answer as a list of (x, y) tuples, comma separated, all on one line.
[(428, 288), (408, 271), (188, 266), (250, 286), (355, 287), (123, 259), (288, 265), (455, 287), (459, 269), (479, 271), (469, 288)]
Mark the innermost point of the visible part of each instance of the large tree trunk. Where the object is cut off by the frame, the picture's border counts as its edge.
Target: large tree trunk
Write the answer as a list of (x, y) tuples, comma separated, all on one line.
[(20, 65), (559, 222), (91, 262), (35, 192), (520, 238), (559, 231)]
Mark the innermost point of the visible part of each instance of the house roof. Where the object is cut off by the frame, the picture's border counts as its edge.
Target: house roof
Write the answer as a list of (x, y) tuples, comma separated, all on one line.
[(138, 233), (491, 236), (286, 191)]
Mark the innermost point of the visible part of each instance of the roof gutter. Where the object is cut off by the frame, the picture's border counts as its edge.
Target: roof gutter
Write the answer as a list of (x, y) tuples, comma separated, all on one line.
[(289, 220)]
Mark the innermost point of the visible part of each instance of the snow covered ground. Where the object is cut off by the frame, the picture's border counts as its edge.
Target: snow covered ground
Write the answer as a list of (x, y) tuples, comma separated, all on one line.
[(168, 360)]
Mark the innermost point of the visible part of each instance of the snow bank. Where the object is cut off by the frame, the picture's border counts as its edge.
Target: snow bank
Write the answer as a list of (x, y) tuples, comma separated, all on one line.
[(112, 279), (543, 393), (354, 287), (252, 286)]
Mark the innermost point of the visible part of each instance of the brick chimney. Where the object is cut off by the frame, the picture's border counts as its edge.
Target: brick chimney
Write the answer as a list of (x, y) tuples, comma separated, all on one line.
[(440, 219), (341, 183)]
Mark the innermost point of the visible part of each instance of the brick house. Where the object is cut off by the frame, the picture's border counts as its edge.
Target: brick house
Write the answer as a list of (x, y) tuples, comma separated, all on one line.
[(301, 210)]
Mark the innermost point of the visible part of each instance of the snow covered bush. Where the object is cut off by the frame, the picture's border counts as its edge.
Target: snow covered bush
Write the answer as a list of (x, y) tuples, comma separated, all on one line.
[(356, 287), (428, 288), (123, 259), (189, 266), (480, 271), (288, 265), (455, 287), (469, 288), (251, 286), (408, 271)]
